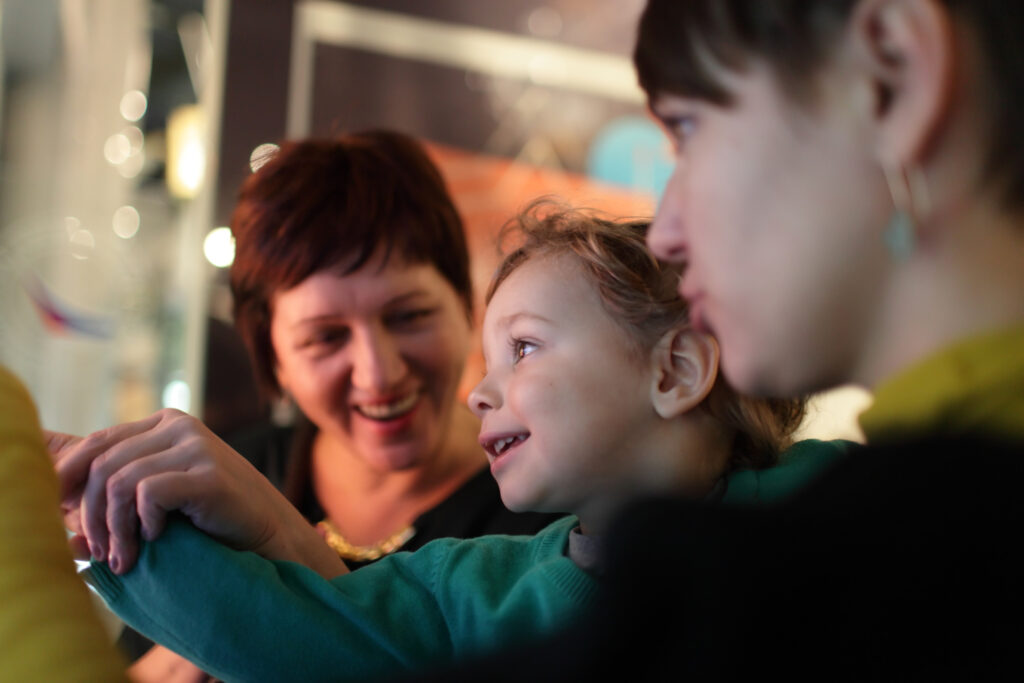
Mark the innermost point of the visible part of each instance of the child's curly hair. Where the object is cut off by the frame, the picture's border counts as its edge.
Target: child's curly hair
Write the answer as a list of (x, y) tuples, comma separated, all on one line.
[(640, 293)]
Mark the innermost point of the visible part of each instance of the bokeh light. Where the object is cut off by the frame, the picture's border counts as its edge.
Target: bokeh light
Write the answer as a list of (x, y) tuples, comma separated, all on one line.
[(177, 394), (219, 247), (82, 244), (133, 105), (261, 155), (126, 222)]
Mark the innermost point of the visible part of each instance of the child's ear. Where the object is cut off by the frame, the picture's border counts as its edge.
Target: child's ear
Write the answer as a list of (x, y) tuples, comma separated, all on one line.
[(685, 365)]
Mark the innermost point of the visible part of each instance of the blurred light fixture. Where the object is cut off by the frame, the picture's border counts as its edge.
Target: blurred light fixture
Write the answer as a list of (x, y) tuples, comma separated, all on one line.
[(219, 247), (261, 155), (72, 224), (82, 244), (177, 394), (186, 153), (136, 138), (126, 222), (545, 22), (133, 105), (117, 148)]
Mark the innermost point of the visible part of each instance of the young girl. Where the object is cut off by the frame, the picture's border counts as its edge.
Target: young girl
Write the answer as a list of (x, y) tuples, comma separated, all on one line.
[(597, 390)]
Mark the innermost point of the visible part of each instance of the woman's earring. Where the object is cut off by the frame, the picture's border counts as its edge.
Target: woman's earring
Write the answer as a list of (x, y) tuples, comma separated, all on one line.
[(910, 202)]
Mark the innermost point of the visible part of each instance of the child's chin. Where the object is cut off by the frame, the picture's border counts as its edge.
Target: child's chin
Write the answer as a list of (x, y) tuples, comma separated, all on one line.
[(517, 503)]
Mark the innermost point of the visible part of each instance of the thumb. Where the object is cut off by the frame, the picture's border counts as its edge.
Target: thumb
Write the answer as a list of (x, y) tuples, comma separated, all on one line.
[(57, 443)]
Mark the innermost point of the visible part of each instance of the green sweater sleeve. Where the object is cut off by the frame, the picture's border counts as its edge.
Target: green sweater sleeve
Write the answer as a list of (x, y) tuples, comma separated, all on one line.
[(241, 617)]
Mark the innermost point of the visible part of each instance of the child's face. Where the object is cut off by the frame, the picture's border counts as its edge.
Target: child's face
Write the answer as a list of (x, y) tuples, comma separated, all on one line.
[(565, 405)]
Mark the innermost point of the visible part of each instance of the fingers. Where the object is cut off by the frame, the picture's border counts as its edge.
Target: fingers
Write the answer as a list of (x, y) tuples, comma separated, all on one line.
[(74, 459), (110, 487), (79, 547), (138, 498), (58, 442), (105, 460)]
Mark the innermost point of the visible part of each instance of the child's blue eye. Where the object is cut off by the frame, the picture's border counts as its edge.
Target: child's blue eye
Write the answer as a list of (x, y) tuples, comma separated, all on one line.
[(521, 349)]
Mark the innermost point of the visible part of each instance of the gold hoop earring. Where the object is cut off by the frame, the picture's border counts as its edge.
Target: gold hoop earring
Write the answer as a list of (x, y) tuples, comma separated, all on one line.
[(910, 201)]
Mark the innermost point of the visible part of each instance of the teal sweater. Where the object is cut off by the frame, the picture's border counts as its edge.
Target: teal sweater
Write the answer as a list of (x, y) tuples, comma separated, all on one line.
[(241, 617)]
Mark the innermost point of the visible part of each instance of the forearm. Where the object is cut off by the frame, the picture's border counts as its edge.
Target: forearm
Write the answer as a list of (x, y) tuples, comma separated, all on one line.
[(239, 616), (295, 540)]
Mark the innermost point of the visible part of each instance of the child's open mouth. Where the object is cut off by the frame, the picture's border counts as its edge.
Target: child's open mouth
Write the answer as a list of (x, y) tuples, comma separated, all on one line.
[(497, 447)]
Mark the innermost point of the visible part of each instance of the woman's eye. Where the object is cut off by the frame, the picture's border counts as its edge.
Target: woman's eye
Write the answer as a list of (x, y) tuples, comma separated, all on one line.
[(326, 338), (409, 316), (681, 128), (521, 349)]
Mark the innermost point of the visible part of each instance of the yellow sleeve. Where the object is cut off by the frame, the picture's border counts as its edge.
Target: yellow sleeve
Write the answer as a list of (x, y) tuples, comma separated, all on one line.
[(49, 630)]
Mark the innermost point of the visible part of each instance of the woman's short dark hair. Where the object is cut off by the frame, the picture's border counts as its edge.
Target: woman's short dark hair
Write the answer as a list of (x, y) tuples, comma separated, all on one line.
[(680, 43), (331, 204)]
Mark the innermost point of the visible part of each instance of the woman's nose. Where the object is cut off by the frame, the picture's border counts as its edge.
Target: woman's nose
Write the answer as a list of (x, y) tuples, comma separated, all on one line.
[(377, 362), (483, 397), (665, 237)]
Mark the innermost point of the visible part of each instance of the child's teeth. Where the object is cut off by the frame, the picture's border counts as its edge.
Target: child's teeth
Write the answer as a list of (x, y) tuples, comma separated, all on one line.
[(501, 444)]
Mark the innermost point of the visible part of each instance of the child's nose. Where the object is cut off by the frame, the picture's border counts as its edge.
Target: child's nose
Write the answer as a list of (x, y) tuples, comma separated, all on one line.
[(483, 398)]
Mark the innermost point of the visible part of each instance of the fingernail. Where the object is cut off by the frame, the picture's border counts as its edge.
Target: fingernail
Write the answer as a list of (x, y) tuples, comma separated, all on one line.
[(115, 564), (97, 552)]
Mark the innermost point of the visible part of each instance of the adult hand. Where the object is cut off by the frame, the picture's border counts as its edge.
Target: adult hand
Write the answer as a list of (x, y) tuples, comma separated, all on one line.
[(125, 479), (160, 665)]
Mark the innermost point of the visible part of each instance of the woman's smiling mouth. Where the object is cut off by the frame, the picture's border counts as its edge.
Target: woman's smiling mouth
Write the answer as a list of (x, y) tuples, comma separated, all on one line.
[(391, 410)]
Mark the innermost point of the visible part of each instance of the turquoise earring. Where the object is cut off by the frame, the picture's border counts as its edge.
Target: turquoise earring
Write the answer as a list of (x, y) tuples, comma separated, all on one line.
[(899, 235), (910, 202)]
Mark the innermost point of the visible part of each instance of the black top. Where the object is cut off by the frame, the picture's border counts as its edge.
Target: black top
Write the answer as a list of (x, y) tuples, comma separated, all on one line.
[(902, 562)]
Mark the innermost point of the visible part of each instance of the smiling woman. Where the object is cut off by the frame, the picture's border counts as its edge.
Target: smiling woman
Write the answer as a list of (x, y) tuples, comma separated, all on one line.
[(352, 292)]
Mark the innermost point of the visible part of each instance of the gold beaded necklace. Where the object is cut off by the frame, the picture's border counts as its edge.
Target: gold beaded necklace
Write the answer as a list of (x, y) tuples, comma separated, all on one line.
[(363, 553)]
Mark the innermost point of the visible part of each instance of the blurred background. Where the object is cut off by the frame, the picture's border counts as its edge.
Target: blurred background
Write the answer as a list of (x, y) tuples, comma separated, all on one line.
[(127, 126)]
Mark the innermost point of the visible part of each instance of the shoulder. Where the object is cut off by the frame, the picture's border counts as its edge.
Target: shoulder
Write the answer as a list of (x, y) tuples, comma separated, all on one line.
[(798, 465), (495, 559), (527, 549), (475, 509), (15, 401), (21, 437)]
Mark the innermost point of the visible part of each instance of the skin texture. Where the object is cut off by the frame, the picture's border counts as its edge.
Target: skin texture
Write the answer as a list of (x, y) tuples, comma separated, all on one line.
[(357, 345), (376, 336), (592, 438), (759, 208), (779, 206)]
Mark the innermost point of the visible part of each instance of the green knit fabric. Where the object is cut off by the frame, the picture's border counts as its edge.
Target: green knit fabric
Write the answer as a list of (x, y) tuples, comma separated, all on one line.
[(803, 461), (241, 617), (244, 618)]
